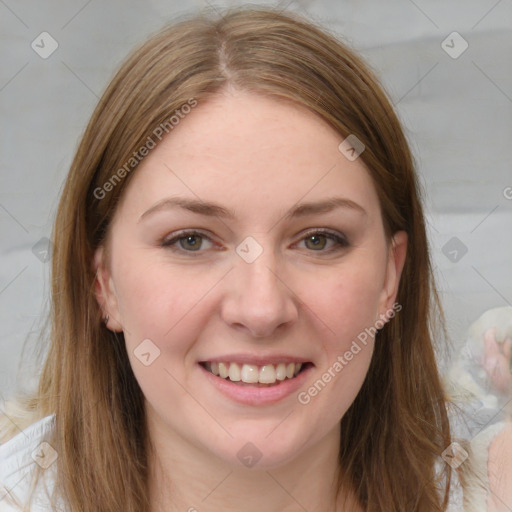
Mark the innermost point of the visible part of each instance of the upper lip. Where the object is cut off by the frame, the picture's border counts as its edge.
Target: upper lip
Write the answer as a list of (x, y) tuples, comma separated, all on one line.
[(258, 360)]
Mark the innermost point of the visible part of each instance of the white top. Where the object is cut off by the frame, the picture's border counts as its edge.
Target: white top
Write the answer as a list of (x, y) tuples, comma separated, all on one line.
[(29, 451), (21, 458)]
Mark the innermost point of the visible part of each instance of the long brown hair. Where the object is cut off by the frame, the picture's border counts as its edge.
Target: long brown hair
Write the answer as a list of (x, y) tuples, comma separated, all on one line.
[(394, 432)]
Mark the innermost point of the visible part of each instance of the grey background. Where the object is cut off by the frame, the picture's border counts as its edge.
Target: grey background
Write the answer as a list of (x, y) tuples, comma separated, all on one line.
[(456, 111)]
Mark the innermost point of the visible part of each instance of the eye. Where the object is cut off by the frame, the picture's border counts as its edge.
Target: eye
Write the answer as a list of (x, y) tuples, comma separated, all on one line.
[(317, 240), (189, 241)]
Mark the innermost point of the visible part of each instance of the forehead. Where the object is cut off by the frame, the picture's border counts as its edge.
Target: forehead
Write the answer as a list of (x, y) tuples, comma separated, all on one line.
[(249, 152)]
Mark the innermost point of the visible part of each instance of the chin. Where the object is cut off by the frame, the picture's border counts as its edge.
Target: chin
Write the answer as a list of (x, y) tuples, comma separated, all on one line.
[(262, 451)]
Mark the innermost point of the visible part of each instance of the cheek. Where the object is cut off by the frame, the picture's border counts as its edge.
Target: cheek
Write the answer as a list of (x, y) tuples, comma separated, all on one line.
[(162, 303), (163, 306), (348, 301), (348, 304), (338, 380)]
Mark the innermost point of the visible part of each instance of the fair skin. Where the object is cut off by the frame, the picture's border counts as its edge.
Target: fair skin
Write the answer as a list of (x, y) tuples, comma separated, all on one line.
[(259, 158), (496, 362), (500, 471)]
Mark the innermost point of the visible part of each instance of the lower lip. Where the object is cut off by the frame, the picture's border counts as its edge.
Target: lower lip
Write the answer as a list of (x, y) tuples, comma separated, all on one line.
[(254, 395)]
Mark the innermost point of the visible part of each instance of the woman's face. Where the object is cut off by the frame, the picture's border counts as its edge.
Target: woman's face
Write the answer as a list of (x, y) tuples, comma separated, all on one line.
[(257, 287)]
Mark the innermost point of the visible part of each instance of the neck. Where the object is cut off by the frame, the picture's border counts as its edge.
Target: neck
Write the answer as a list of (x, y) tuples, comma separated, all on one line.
[(185, 478)]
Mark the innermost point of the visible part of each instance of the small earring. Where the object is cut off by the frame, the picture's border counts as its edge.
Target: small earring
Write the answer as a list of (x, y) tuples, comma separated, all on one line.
[(106, 319)]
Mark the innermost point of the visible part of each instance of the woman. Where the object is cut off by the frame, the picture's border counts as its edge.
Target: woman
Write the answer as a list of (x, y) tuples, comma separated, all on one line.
[(243, 300)]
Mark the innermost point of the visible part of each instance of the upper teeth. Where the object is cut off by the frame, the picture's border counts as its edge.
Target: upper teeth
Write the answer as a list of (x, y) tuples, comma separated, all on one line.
[(251, 374)]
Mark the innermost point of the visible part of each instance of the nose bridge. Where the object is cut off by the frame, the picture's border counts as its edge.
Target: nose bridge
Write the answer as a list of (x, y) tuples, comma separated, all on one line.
[(260, 276), (258, 299)]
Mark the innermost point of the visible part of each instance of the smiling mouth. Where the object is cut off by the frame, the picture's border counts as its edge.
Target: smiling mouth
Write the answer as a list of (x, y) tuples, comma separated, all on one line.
[(254, 375)]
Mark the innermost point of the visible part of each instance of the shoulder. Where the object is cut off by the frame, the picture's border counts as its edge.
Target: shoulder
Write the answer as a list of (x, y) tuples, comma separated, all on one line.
[(24, 457)]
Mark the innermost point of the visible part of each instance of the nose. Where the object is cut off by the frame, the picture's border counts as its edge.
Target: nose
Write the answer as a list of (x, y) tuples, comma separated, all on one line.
[(259, 299)]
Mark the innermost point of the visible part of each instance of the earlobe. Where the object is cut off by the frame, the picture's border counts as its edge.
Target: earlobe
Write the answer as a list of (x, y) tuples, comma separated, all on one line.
[(105, 293)]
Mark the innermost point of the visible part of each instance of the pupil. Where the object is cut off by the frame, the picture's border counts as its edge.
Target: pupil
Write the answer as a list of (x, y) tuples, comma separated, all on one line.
[(192, 240), (315, 239)]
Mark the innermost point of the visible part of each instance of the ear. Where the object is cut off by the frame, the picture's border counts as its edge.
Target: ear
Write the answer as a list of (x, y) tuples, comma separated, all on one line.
[(395, 264), (105, 292)]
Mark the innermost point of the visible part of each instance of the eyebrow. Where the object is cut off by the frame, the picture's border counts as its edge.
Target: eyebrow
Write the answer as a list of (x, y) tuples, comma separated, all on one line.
[(215, 210)]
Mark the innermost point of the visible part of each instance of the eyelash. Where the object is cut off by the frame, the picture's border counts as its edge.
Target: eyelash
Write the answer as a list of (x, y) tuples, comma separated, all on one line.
[(341, 241)]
